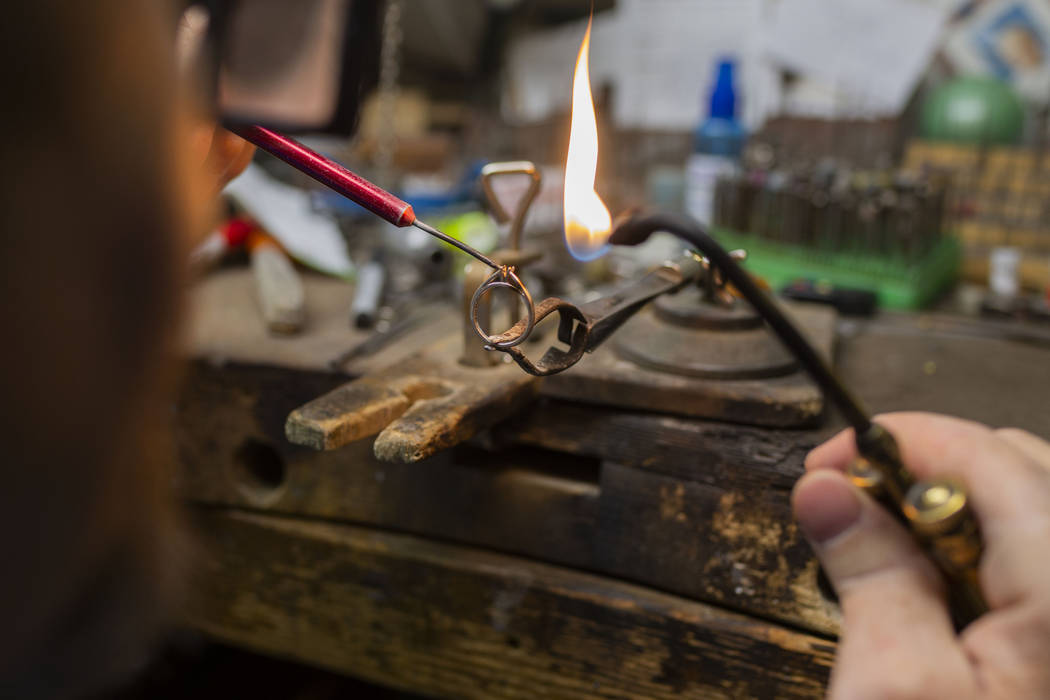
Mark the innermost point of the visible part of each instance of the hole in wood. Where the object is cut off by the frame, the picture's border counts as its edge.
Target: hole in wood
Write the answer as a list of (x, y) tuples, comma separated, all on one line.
[(259, 471)]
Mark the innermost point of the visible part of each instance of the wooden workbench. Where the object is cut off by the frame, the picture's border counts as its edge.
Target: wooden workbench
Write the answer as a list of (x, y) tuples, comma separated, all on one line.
[(573, 551)]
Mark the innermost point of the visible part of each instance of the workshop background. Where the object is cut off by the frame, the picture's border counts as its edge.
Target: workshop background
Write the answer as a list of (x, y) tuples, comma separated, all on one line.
[(386, 509)]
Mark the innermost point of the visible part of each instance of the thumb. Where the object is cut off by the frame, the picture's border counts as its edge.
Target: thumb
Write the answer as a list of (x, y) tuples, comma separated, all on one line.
[(897, 638)]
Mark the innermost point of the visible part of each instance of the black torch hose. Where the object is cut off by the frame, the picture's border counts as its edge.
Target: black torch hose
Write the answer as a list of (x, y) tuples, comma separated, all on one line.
[(636, 229), (957, 549)]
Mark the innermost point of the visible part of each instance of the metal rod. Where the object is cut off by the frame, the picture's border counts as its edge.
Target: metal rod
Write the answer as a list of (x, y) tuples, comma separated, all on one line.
[(637, 229), (457, 243)]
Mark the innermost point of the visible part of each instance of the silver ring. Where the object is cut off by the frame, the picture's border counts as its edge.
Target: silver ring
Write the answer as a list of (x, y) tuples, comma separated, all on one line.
[(498, 279)]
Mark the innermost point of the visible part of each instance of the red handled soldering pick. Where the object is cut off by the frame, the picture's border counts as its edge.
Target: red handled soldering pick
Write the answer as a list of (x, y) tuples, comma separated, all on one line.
[(351, 185)]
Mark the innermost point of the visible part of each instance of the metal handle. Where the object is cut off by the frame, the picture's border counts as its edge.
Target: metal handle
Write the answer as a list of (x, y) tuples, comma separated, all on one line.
[(516, 167), (939, 516)]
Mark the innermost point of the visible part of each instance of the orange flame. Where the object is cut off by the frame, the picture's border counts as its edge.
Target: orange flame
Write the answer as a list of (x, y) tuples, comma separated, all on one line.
[(587, 220)]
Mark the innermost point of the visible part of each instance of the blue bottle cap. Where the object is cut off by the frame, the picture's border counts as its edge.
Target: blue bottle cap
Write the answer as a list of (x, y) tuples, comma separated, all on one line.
[(723, 96)]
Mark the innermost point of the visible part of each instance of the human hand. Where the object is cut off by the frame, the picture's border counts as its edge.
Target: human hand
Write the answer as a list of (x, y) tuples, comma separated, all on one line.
[(897, 639), (222, 154), (207, 156)]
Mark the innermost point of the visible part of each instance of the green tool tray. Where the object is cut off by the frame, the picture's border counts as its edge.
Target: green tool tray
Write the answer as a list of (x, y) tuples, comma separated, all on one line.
[(899, 283)]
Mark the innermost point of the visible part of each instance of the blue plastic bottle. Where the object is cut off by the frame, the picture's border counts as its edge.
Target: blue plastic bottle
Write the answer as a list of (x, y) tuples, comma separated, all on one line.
[(717, 147)]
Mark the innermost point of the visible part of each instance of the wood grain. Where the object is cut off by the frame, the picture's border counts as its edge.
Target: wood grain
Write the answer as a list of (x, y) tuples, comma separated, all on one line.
[(696, 508), (456, 622)]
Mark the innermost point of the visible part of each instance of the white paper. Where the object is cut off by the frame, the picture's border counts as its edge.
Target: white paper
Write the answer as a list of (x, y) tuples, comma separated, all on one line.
[(674, 47), (540, 67), (659, 56), (286, 214), (873, 52)]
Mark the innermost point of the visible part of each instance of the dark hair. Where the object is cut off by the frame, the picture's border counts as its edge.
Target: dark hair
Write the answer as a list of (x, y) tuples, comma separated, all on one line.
[(88, 276)]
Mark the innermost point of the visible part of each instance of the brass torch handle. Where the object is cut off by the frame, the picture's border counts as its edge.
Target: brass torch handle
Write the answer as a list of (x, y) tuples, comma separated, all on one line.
[(867, 477), (939, 515)]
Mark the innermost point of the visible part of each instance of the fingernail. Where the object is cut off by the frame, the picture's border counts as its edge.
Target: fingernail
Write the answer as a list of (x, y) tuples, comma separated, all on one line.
[(825, 505)]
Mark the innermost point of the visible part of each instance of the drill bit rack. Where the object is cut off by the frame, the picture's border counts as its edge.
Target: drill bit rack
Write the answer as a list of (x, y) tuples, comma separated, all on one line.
[(883, 234)]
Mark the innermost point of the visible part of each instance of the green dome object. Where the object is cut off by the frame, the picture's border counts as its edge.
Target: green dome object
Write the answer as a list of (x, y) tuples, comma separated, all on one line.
[(973, 110)]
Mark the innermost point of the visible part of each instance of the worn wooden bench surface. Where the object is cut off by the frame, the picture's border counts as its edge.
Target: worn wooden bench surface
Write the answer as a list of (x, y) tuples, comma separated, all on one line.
[(683, 525), (686, 506), (448, 620)]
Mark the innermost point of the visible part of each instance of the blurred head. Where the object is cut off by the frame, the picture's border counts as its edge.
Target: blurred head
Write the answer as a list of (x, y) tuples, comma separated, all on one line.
[(94, 204)]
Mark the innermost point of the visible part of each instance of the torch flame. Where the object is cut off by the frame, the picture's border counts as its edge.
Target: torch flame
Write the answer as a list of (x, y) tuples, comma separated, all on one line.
[(587, 220)]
